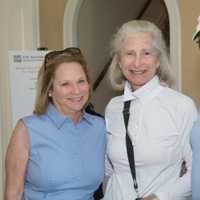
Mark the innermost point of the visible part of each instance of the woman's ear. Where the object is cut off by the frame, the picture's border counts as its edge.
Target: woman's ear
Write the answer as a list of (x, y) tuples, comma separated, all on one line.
[(158, 64), (50, 93), (50, 88), (118, 60), (119, 65)]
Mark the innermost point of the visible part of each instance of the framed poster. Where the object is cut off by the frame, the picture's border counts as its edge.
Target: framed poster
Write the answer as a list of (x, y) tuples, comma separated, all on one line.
[(23, 70)]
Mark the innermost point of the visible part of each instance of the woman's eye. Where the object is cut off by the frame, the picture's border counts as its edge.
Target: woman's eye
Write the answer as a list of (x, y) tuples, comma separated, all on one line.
[(65, 84), (147, 53), (82, 81), (129, 54)]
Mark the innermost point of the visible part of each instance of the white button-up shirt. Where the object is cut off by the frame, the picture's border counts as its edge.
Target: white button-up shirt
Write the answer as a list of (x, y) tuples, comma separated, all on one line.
[(159, 127)]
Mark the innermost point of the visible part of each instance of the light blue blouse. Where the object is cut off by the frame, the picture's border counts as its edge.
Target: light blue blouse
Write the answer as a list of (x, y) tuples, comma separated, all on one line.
[(195, 140), (66, 161)]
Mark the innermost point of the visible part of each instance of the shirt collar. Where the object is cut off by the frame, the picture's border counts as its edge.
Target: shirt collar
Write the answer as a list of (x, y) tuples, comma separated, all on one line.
[(58, 119), (142, 92)]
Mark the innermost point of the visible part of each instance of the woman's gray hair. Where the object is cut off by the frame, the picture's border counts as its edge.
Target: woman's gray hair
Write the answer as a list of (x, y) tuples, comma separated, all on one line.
[(164, 71)]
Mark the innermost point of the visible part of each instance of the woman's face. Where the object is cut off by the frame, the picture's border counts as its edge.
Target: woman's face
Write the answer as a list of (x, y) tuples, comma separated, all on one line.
[(70, 89), (138, 60)]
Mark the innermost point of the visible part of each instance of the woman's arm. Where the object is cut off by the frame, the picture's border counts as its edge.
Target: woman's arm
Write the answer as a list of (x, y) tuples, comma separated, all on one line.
[(181, 188), (195, 140), (16, 161)]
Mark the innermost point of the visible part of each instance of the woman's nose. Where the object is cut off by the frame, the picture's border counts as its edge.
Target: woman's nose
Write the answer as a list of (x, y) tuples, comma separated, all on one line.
[(75, 89), (138, 60)]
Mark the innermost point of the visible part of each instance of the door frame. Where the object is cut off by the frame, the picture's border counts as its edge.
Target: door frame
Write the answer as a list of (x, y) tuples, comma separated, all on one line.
[(20, 32)]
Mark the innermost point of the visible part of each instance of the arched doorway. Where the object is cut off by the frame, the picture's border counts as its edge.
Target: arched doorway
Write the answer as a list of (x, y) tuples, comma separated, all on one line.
[(73, 22)]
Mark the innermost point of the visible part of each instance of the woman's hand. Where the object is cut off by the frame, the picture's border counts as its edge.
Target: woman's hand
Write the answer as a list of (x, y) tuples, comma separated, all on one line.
[(183, 168)]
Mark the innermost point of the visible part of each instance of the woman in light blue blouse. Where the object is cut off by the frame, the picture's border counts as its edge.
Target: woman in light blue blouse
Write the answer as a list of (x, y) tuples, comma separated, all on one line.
[(57, 153), (195, 140)]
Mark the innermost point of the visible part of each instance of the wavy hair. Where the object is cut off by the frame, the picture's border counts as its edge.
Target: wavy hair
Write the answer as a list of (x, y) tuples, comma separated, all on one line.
[(47, 73), (164, 72)]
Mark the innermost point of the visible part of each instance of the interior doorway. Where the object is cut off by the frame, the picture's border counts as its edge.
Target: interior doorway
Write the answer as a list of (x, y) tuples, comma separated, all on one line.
[(90, 25)]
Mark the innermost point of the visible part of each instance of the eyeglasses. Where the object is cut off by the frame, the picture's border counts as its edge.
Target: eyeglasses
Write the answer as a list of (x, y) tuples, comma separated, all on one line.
[(71, 51)]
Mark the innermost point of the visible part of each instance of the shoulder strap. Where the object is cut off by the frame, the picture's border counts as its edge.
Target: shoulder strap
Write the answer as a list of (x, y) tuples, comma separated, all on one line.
[(129, 146)]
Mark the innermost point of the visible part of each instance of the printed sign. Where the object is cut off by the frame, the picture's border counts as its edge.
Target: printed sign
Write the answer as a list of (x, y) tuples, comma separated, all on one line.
[(23, 67)]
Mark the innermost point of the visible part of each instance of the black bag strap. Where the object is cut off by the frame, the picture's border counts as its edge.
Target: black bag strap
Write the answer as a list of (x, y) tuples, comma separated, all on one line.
[(129, 146)]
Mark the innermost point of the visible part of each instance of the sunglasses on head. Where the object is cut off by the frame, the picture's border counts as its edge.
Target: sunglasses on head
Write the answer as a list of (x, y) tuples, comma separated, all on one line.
[(71, 51)]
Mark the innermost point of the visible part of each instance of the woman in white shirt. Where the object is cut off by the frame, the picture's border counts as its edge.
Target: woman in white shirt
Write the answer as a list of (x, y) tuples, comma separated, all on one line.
[(160, 119)]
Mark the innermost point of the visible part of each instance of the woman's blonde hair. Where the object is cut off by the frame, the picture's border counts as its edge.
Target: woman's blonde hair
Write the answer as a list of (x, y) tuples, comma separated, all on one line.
[(47, 73), (164, 71)]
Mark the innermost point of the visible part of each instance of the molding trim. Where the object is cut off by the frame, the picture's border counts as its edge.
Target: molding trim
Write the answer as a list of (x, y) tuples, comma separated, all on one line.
[(20, 32), (175, 40), (70, 22), (36, 24)]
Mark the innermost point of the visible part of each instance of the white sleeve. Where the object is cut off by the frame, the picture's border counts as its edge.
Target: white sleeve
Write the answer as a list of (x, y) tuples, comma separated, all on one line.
[(181, 189), (108, 165)]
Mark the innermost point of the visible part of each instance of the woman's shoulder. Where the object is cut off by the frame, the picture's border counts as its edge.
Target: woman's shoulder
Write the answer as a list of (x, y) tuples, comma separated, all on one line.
[(95, 118), (115, 102), (171, 96), (29, 119), (96, 123)]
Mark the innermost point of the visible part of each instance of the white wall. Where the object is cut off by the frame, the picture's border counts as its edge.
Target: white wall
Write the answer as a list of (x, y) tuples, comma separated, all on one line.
[(18, 19)]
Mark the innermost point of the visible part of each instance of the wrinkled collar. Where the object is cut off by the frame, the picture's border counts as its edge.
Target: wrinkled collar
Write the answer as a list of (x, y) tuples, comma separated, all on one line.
[(58, 119), (142, 92)]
